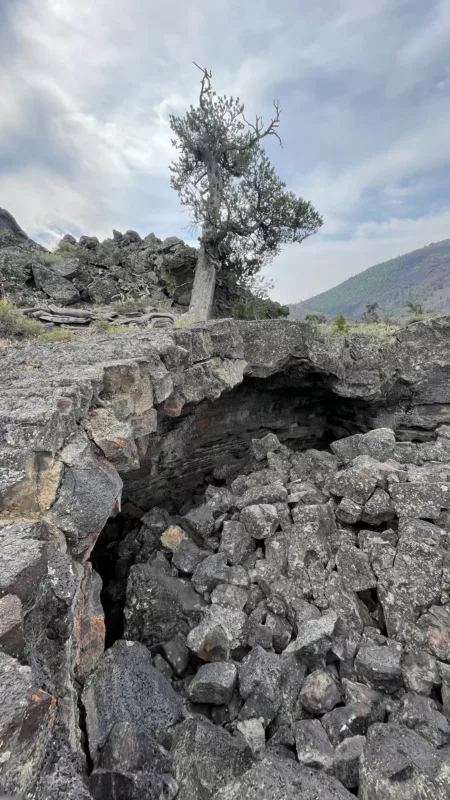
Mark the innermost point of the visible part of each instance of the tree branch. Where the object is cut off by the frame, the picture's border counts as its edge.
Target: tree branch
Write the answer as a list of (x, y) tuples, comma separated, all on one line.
[(206, 83), (260, 131)]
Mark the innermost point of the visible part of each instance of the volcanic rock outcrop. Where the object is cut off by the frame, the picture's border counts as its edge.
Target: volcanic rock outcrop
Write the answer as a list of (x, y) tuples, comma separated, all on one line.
[(259, 514)]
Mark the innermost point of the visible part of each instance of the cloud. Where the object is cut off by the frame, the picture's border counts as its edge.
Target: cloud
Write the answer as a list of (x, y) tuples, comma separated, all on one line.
[(86, 89)]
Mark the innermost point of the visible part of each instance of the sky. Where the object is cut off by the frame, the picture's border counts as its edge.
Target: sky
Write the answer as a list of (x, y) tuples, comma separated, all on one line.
[(87, 86)]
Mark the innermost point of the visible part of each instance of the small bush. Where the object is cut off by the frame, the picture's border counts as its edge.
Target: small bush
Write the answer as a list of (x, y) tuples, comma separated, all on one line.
[(103, 326), (184, 320), (49, 258), (340, 323), (184, 299), (14, 323), (58, 335), (255, 308), (67, 248), (316, 319)]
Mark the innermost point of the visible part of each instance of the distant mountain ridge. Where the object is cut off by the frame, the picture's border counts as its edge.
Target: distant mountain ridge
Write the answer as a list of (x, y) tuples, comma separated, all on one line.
[(422, 275)]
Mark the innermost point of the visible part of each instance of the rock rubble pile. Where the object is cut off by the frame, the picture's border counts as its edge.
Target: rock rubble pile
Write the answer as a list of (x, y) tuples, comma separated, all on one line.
[(287, 637)]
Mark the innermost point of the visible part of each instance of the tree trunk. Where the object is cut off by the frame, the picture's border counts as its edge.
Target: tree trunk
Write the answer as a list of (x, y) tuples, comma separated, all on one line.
[(202, 296)]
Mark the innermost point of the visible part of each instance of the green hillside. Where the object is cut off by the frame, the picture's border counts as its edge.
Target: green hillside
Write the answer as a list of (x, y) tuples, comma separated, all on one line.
[(423, 275)]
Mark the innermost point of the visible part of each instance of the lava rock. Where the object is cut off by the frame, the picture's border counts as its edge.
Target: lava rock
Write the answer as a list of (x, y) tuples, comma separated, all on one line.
[(378, 509), (320, 692), (230, 596), (314, 639), (347, 758), (236, 542), (345, 721), (205, 757), (158, 606), (132, 766), (176, 654), (417, 500), (433, 632), (218, 634), (420, 672), (260, 521), (188, 556), (200, 521), (313, 745), (213, 683), (267, 444), (360, 693), (420, 714), (355, 483), (265, 495), (414, 581), (11, 626), (254, 733), (26, 720), (380, 668), (309, 537), (260, 680), (400, 763), (354, 569), (348, 511), (280, 778), (210, 572), (125, 687)]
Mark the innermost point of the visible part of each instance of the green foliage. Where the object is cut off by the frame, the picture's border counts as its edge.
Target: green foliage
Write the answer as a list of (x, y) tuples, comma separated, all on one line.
[(255, 308), (58, 335), (316, 318), (185, 320), (49, 258), (226, 179), (14, 323), (67, 249), (340, 323), (420, 276), (184, 299), (103, 326), (416, 308)]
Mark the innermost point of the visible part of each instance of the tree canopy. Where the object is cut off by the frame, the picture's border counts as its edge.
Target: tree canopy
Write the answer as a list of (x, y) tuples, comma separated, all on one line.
[(224, 176)]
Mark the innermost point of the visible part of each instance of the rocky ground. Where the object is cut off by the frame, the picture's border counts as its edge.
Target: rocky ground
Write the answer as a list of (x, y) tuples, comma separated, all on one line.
[(277, 618), (301, 614), (85, 271)]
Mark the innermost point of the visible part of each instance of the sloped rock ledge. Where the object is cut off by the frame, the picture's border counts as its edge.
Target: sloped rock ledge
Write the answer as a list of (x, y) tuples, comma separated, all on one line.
[(77, 419)]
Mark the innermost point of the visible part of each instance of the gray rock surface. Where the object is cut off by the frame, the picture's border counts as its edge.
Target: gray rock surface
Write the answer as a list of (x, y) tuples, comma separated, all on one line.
[(206, 757), (125, 687)]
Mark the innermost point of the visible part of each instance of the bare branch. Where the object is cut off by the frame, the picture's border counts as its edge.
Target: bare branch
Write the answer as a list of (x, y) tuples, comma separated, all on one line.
[(259, 131), (206, 83)]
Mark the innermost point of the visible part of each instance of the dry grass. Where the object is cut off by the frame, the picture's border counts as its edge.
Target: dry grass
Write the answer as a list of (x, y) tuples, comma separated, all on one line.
[(14, 323)]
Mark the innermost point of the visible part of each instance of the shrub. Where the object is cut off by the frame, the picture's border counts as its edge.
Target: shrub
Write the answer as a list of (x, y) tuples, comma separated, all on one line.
[(415, 309), (255, 308), (67, 248), (103, 326), (340, 323), (316, 319), (58, 335), (49, 258), (184, 320), (14, 323), (184, 299)]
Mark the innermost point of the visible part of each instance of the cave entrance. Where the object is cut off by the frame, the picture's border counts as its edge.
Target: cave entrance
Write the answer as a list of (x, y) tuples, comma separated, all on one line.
[(210, 444)]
